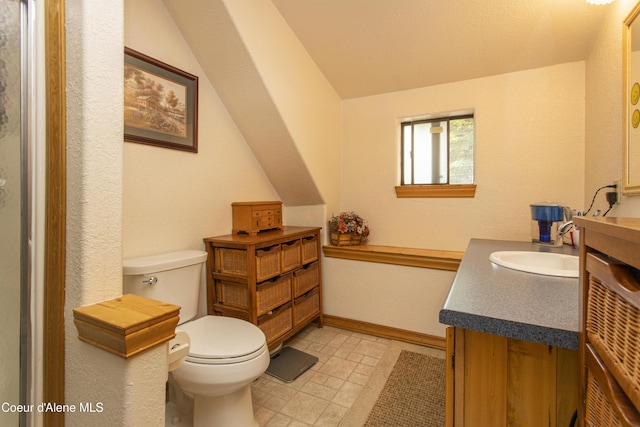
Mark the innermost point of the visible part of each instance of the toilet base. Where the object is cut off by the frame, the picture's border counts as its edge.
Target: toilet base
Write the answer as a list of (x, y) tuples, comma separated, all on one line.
[(233, 409)]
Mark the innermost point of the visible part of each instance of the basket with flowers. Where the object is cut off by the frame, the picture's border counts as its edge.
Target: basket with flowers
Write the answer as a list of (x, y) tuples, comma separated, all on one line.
[(348, 229)]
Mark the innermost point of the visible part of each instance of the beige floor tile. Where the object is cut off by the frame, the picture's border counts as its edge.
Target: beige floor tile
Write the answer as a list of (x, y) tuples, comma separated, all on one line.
[(371, 348), (334, 383), (319, 378), (347, 394), (345, 350), (263, 415), (278, 420), (304, 407), (281, 390), (315, 346), (319, 390), (369, 361), (327, 349), (355, 357), (364, 369), (358, 378), (331, 416), (324, 395), (275, 403), (338, 340), (337, 367)]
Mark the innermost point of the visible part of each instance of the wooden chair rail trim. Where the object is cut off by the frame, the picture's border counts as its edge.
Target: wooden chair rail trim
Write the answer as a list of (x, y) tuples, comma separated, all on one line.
[(412, 257)]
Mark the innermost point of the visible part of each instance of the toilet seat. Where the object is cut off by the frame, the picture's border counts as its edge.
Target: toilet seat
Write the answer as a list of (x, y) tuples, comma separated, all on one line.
[(218, 340)]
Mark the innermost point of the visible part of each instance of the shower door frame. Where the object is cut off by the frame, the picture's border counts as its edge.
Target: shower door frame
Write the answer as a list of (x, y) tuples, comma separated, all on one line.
[(55, 206)]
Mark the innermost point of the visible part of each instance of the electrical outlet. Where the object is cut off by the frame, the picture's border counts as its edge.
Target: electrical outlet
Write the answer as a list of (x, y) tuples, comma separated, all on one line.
[(618, 184)]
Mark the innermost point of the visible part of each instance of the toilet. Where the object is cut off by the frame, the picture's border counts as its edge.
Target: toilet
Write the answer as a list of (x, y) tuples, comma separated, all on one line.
[(225, 354)]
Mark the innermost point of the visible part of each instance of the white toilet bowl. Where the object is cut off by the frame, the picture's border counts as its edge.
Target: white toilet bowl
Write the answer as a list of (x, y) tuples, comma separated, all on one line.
[(226, 356)]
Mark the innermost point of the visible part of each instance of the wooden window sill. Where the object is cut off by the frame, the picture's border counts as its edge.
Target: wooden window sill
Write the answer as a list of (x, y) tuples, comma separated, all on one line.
[(434, 191), (412, 257)]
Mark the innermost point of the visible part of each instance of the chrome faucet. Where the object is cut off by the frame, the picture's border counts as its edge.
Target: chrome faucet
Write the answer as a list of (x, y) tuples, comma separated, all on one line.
[(562, 229)]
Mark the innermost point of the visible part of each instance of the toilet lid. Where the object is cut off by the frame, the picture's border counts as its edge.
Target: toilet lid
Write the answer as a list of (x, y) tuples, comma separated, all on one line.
[(218, 339)]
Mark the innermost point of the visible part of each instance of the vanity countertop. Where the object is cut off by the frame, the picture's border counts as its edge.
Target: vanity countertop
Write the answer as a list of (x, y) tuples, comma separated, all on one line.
[(489, 298)]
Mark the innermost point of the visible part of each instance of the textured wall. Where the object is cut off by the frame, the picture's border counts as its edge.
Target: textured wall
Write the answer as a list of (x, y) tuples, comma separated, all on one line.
[(604, 125), (529, 148), (173, 199), (131, 392)]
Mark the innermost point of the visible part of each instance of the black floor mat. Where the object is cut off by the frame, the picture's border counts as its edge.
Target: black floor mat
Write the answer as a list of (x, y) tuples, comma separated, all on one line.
[(289, 363)]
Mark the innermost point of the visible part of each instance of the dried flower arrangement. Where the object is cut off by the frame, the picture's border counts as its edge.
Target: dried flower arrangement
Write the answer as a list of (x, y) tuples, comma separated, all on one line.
[(348, 229)]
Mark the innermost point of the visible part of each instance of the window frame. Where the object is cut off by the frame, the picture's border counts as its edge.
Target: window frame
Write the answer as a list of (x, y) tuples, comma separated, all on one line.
[(412, 190)]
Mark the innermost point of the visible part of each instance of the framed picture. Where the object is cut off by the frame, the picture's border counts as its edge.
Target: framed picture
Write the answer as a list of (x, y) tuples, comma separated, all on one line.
[(160, 103)]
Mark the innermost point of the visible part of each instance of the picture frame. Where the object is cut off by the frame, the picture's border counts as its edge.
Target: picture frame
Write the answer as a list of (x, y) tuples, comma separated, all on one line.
[(160, 103)]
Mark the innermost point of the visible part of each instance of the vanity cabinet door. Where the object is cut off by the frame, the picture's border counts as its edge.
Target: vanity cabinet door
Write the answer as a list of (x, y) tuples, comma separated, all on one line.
[(500, 382)]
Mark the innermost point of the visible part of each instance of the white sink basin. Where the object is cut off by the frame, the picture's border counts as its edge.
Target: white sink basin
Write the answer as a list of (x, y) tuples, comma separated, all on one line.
[(547, 263)]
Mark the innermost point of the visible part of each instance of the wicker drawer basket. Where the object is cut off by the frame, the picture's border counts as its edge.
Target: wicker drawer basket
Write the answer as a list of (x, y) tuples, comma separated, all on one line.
[(306, 306), (231, 261), (267, 263), (276, 324), (305, 279), (290, 255), (232, 294), (599, 411), (273, 293), (613, 327), (606, 404), (309, 249)]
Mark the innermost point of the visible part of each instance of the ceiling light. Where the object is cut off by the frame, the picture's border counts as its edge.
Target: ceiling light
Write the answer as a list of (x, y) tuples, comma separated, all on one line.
[(599, 1)]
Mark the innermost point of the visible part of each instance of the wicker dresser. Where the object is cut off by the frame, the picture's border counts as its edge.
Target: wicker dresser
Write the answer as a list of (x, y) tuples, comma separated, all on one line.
[(610, 319), (272, 279)]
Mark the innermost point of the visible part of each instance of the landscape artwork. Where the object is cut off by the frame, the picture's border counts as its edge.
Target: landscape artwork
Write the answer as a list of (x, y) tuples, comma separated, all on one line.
[(160, 103)]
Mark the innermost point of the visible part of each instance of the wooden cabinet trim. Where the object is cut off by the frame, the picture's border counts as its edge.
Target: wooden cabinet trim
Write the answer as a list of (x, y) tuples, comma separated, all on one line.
[(127, 325)]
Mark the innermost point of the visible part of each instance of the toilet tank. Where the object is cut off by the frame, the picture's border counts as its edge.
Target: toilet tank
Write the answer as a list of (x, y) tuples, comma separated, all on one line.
[(172, 277)]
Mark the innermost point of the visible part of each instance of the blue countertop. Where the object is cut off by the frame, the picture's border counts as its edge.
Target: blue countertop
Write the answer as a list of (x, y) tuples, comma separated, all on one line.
[(486, 297)]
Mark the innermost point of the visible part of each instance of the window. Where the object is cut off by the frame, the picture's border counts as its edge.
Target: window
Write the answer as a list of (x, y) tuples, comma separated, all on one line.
[(438, 151)]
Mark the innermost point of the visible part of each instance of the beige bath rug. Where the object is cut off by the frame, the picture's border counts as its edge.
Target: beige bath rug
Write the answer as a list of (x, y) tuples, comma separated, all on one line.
[(413, 394)]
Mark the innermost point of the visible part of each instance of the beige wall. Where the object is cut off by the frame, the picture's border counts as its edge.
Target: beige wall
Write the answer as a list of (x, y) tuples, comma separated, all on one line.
[(131, 392), (134, 200), (529, 148), (603, 163), (305, 100), (173, 199)]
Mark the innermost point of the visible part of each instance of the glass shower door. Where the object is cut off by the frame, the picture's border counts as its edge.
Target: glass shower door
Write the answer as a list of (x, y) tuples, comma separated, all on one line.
[(13, 215)]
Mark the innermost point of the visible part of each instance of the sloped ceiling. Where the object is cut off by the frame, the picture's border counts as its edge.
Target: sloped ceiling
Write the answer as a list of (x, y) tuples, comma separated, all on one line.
[(216, 42), (367, 47)]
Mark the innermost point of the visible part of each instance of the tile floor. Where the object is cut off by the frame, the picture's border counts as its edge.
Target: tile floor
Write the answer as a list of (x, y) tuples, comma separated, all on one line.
[(323, 395), (339, 390)]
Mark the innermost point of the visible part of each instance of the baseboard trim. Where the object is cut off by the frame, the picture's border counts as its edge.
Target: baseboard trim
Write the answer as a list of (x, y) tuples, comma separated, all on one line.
[(385, 331)]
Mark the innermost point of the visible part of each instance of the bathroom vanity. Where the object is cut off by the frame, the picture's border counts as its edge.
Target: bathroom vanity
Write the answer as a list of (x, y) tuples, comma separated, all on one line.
[(271, 279), (512, 343)]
